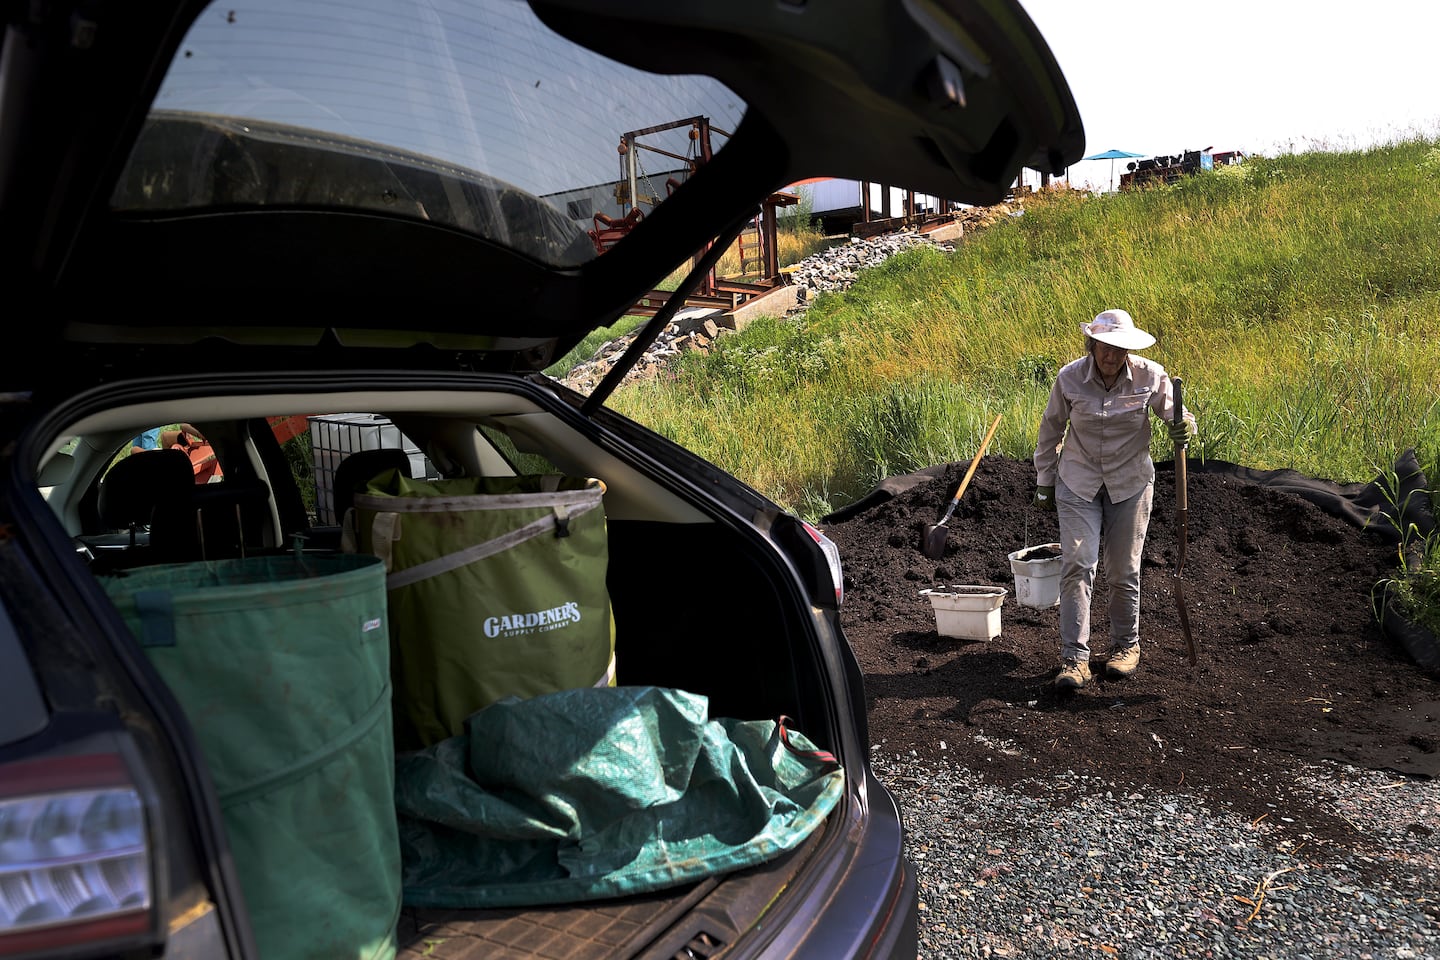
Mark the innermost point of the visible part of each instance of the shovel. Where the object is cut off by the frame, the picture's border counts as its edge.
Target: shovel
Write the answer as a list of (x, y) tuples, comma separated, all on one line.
[(936, 534), (1182, 526)]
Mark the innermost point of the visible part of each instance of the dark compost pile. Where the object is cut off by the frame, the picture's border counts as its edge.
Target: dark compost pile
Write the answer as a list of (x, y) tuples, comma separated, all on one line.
[(1292, 666)]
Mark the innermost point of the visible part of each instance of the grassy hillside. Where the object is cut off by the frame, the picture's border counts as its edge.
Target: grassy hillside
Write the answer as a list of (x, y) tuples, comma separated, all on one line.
[(1298, 296)]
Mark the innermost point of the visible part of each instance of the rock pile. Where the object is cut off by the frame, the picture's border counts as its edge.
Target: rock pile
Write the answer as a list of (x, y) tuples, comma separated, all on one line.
[(692, 329), (832, 269), (835, 268)]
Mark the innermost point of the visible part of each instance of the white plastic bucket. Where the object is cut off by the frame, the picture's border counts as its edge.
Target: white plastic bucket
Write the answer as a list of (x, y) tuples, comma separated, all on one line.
[(967, 612), (1037, 575)]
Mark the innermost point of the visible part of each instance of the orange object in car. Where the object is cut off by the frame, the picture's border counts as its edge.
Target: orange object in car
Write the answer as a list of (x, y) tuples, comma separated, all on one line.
[(202, 459)]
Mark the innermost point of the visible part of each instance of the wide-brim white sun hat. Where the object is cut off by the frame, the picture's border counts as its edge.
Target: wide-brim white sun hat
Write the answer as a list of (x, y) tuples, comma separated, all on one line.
[(1116, 328)]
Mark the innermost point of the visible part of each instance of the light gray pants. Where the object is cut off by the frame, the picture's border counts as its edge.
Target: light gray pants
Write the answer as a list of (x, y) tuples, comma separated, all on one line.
[(1090, 529)]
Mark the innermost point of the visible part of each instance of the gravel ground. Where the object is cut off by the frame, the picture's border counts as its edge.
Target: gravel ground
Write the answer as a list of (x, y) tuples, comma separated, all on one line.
[(1074, 866)]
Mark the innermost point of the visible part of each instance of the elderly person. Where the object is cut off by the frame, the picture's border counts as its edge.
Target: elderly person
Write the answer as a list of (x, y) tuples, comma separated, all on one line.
[(1099, 477)]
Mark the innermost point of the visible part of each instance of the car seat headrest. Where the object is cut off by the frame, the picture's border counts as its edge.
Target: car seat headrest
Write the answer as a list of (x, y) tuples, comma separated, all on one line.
[(358, 469), (131, 490)]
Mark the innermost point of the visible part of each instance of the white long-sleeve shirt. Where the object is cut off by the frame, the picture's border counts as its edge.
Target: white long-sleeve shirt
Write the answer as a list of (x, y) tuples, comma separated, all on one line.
[(1108, 441)]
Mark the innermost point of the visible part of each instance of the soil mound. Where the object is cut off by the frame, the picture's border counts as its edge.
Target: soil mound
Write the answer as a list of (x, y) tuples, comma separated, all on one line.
[(1291, 664)]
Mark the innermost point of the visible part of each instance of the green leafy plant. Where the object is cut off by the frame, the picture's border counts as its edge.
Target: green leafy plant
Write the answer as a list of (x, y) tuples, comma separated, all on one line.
[(300, 456), (799, 218), (1422, 588), (1414, 591), (1036, 368)]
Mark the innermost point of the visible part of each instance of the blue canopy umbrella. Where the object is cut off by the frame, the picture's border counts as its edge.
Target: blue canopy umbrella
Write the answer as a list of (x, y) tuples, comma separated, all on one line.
[(1112, 156)]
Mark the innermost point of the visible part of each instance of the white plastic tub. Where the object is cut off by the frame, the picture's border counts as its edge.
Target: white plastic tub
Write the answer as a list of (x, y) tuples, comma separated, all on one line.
[(1037, 575), (968, 612)]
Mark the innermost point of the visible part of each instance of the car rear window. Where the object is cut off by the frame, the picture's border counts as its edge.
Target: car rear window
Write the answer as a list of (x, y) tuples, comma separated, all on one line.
[(468, 113)]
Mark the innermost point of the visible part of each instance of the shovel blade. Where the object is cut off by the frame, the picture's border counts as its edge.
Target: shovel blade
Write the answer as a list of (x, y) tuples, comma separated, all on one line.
[(1179, 590), (935, 538)]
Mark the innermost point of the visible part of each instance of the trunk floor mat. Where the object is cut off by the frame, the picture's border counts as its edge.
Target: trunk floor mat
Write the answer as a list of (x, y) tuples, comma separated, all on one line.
[(702, 917)]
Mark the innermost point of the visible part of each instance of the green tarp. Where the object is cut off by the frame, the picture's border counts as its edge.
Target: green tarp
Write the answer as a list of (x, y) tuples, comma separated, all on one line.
[(282, 667), (592, 793), (496, 588)]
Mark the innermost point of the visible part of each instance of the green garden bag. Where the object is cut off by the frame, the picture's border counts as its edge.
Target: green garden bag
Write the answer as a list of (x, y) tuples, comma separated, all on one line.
[(282, 667), (496, 589), (592, 793)]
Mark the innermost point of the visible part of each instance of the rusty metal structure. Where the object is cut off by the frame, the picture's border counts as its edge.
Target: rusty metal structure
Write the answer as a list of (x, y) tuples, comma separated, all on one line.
[(608, 230), (634, 193), (914, 215), (757, 247)]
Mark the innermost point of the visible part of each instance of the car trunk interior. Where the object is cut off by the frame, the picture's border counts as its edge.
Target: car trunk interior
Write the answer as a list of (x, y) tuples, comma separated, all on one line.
[(698, 600), (696, 920)]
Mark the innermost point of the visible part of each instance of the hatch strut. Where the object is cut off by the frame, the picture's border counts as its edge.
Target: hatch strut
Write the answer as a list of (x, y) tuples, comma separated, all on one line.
[(658, 322)]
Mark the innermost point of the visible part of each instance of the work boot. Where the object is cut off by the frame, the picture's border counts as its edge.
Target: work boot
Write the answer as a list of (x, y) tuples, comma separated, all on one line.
[(1073, 674), (1123, 662)]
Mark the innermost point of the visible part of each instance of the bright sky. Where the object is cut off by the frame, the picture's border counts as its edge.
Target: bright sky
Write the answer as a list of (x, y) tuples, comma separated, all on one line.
[(1262, 76)]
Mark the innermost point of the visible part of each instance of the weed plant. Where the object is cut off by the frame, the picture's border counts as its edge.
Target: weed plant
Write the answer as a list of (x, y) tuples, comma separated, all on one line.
[(1414, 591)]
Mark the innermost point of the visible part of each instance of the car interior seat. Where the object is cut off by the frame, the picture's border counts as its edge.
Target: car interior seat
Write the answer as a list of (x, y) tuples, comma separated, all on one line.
[(220, 521), (358, 469), (351, 476), (138, 488)]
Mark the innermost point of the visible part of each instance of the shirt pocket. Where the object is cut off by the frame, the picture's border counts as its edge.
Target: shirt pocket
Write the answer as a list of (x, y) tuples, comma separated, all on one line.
[(1131, 409), (1087, 412)]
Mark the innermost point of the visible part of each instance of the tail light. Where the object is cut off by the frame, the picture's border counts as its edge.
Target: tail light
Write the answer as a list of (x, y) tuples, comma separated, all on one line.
[(832, 559), (74, 855)]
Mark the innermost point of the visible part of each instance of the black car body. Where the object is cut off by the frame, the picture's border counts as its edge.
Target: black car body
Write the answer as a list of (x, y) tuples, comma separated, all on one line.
[(223, 216)]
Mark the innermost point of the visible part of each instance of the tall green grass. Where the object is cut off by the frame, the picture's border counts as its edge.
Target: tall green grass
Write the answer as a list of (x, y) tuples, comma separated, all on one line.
[(1296, 295)]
